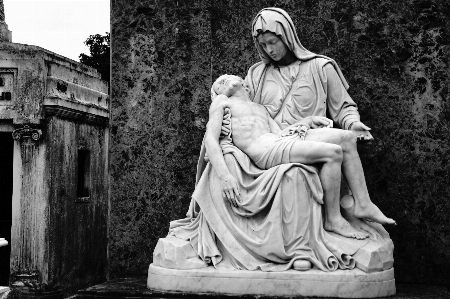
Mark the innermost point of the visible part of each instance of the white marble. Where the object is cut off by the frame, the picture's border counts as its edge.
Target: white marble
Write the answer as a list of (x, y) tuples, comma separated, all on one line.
[(3, 242), (175, 253), (375, 256), (341, 283), (3, 292)]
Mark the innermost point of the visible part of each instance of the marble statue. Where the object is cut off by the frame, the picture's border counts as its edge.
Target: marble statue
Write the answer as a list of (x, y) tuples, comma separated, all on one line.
[(260, 138), (269, 204)]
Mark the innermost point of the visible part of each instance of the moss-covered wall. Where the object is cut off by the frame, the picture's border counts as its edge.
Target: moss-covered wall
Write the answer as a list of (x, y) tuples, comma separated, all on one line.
[(394, 55)]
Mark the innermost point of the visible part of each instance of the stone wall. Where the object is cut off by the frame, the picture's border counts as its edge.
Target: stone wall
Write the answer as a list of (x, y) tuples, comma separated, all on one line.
[(161, 75), (394, 56)]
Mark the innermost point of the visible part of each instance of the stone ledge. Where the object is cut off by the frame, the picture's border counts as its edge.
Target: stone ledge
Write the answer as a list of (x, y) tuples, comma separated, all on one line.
[(75, 111), (342, 283), (58, 88)]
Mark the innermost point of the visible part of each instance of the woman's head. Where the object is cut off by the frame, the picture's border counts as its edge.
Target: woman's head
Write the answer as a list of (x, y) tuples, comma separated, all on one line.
[(276, 23), (273, 45)]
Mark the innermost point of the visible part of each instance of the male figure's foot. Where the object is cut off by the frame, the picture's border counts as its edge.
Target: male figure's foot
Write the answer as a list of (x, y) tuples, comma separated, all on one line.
[(302, 265), (348, 212), (372, 213), (361, 225), (343, 228)]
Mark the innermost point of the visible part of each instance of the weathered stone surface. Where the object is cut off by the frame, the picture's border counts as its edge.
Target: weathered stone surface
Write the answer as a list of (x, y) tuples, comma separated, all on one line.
[(160, 98), (175, 253)]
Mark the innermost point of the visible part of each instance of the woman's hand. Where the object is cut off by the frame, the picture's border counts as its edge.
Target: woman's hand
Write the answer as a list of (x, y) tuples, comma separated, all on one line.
[(315, 122), (362, 131), (320, 122), (230, 189), (226, 123)]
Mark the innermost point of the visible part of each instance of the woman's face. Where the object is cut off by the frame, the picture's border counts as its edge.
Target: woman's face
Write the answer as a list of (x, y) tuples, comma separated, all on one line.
[(272, 45)]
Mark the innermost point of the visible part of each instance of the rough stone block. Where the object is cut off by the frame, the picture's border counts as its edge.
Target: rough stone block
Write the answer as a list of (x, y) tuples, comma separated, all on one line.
[(375, 256), (175, 253)]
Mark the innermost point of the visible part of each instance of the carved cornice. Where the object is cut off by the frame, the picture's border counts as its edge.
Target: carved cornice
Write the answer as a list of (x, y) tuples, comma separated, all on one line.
[(72, 114), (27, 132), (76, 111)]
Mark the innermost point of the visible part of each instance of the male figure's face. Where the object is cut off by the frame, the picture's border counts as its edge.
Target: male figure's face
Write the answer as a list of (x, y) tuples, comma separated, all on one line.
[(227, 84), (272, 45)]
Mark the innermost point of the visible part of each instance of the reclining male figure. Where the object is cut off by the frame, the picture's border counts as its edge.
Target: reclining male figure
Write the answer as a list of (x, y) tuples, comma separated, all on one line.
[(255, 133)]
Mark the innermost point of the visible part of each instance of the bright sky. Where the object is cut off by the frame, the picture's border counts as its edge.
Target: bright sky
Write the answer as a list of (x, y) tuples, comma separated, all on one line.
[(60, 26)]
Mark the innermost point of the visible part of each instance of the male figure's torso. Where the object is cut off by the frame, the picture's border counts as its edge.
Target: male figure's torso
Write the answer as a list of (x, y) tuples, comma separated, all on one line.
[(251, 131)]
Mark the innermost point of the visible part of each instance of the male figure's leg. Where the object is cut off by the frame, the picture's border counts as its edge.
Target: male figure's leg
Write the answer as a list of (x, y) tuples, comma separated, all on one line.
[(310, 152), (353, 171)]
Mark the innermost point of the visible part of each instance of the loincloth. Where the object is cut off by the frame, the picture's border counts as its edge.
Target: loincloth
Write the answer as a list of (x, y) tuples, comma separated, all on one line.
[(279, 152)]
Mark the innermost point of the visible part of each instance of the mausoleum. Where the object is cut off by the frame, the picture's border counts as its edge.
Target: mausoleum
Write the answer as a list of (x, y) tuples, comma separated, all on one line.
[(54, 116)]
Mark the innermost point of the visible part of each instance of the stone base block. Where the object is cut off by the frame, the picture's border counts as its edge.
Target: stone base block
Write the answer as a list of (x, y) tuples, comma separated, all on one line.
[(174, 253), (375, 256), (4, 292), (342, 283)]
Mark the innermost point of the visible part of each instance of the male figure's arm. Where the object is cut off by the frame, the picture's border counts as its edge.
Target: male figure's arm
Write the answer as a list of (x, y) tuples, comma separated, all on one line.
[(229, 185)]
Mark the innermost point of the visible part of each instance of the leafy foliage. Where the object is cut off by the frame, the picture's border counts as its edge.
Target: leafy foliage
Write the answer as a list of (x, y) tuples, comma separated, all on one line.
[(99, 58)]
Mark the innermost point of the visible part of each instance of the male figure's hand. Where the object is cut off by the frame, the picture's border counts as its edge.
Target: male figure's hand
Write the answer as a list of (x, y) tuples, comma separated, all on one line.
[(361, 130), (230, 189)]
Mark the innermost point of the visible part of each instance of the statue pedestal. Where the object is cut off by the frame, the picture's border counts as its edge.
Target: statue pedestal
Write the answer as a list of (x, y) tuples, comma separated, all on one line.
[(177, 268), (341, 283)]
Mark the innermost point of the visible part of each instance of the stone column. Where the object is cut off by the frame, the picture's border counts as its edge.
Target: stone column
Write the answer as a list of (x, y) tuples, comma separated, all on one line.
[(30, 207)]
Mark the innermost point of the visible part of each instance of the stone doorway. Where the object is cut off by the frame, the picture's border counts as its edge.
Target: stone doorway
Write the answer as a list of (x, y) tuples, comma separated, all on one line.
[(6, 187)]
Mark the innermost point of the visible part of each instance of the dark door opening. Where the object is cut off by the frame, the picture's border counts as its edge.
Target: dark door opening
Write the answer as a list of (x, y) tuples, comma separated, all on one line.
[(6, 187)]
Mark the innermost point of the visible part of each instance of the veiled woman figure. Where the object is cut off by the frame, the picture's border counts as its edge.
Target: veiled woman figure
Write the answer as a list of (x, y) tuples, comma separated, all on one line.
[(278, 222), (292, 82)]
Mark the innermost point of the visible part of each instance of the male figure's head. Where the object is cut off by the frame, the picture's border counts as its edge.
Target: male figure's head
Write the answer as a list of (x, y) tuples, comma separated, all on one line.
[(227, 85)]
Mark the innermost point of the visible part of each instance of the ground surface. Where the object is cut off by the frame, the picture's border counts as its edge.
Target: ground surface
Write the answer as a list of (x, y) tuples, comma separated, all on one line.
[(135, 287)]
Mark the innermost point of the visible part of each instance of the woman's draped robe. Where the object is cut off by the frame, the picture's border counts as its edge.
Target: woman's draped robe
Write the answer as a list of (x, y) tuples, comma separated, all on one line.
[(279, 219)]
